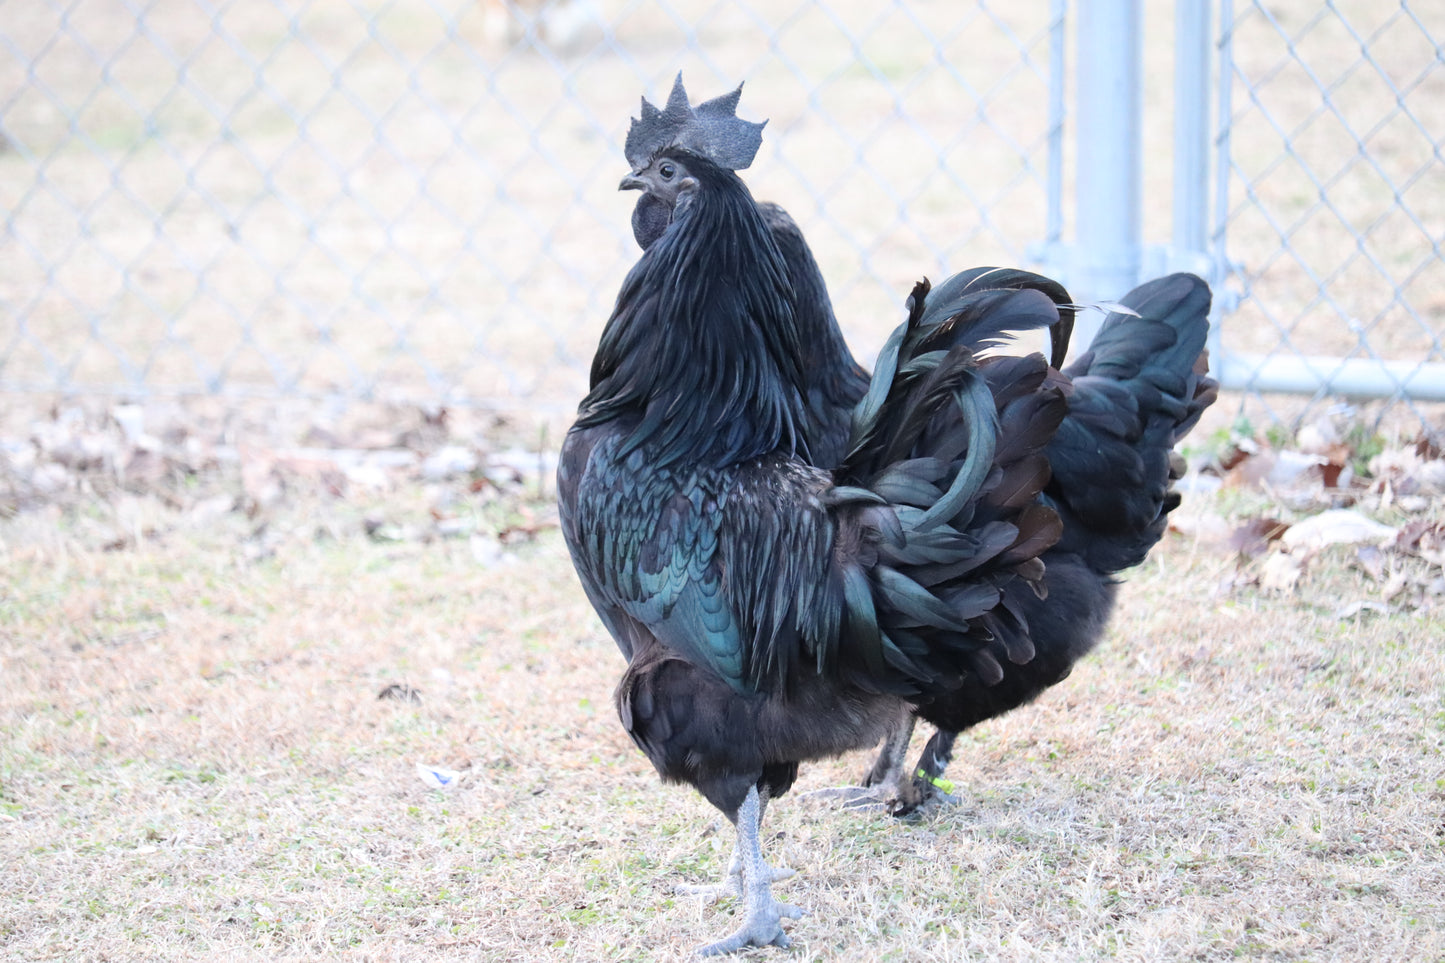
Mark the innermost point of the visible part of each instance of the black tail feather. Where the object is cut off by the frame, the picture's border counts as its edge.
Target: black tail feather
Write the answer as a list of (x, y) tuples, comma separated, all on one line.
[(955, 446), (1135, 392)]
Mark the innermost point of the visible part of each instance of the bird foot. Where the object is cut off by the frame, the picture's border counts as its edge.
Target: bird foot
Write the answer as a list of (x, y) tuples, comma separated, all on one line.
[(892, 799), (866, 798), (731, 884), (763, 927), (906, 806), (914, 796), (922, 791)]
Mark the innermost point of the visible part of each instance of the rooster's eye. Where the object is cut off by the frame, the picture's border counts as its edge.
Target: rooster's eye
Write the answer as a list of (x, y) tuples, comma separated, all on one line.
[(667, 170)]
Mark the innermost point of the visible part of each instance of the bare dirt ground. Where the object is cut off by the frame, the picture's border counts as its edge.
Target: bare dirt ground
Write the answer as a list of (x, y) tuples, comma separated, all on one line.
[(198, 760)]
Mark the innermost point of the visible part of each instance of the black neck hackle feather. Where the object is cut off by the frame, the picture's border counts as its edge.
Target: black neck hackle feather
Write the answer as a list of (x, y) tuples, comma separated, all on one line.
[(712, 130), (702, 348)]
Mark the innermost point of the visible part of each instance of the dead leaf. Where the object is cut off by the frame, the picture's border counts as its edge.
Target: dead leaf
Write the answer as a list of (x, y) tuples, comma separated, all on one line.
[(1252, 539), (1281, 572), (1424, 539), (1333, 474), (1337, 527), (1237, 453), (1413, 532), (1363, 605), (1372, 561), (1319, 436), (1407, 472), (1248, 469), (1205, 526), (1293, 468)]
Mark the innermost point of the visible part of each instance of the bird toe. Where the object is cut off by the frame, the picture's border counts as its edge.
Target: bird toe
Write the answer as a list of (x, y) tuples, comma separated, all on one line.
[(710, 892), (850, 797), (763, 927)]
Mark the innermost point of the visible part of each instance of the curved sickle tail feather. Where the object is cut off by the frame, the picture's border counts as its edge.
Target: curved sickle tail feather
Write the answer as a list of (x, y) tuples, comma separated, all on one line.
[(941, 486)]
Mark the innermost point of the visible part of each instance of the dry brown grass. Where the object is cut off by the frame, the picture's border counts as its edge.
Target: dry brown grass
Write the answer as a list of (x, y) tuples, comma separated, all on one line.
[(195, 764)]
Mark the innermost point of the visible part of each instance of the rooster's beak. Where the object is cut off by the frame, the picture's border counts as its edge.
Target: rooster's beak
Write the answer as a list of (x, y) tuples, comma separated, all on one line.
[(632, 183)]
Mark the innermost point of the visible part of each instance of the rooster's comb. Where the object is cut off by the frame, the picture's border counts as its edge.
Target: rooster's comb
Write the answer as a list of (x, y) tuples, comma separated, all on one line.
[(711, 130)]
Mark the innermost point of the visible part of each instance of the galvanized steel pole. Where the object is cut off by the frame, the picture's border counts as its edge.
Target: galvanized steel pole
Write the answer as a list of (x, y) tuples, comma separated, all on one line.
[(1192, 43), (1107, 227)]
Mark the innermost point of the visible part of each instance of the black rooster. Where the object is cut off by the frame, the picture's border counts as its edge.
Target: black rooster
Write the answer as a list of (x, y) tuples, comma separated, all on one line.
[(1131, 398), (773, 611)]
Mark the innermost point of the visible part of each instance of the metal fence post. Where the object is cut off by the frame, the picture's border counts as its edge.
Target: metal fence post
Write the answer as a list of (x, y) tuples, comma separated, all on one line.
[(1054, 182), (1223, 120), (1106, 255), (1190, 235)]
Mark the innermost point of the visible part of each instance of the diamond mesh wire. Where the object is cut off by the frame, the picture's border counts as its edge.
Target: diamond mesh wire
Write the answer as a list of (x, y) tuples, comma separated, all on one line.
[(417, 198), (1336, 196)]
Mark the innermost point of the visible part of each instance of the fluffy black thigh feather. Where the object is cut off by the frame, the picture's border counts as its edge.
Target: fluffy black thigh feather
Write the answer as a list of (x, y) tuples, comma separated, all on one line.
[(698, 730), (1064, 628)]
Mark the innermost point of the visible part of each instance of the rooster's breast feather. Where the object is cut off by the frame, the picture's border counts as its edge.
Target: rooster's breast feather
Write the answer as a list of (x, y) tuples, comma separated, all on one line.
[(724, 569)]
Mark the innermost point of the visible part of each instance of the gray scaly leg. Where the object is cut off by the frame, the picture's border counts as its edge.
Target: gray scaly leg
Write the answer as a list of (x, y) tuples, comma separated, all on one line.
[(926, 782), (889, 764), (882, 781), (763, 924), (732, 881)]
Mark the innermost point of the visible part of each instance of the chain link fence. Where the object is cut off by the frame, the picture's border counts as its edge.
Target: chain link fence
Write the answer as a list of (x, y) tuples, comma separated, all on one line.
[(416, 199), (1330, 209)]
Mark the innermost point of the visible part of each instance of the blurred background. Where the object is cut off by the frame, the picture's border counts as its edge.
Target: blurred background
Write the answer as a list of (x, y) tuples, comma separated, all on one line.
[(414, 201)]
